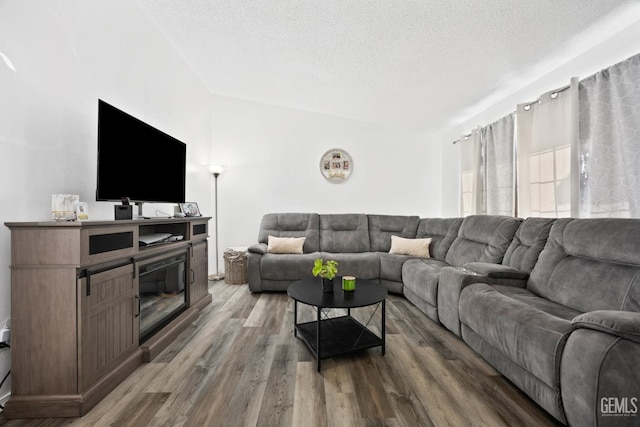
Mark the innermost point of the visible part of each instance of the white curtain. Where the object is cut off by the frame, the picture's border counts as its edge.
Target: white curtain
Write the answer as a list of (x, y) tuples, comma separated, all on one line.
[(610, 142), (547, 154), (471, 174), (499, 188)]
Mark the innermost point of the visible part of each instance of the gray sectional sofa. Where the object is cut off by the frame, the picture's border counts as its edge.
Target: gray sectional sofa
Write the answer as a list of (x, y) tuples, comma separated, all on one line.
[(554, 305), (360, 243)]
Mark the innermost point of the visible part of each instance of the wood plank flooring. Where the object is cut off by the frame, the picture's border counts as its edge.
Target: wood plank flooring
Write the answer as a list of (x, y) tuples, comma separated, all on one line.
[(240, 365)]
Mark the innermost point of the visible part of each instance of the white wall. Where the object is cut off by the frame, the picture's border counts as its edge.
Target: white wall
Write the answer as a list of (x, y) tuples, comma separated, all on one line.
[(273, 158), (602, 55), (66, 55)]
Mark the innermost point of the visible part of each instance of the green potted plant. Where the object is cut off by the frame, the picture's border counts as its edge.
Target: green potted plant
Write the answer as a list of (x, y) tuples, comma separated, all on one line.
[(327, 271)]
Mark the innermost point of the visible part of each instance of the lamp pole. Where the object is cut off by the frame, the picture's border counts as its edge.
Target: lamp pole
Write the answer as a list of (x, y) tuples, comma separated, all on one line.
[(216, 171)]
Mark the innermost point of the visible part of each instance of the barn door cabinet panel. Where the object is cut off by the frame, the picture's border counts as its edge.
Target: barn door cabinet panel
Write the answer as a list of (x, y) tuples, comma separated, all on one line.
[(75, 308), (109, 325)]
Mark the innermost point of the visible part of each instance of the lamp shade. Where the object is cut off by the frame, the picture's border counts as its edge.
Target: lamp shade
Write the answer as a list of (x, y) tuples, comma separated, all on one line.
[(216, 169)]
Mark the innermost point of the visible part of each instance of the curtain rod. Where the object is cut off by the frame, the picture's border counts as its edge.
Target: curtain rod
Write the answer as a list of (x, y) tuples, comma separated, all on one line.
[(527, 105), (469, 134), (552, 94), (463, 137)]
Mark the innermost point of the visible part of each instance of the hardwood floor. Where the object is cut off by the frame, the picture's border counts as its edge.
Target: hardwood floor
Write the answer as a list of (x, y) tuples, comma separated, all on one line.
[(240, 365)]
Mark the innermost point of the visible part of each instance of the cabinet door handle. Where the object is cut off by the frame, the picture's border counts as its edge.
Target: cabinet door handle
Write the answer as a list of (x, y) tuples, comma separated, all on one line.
[(193, 276), (137, 305)]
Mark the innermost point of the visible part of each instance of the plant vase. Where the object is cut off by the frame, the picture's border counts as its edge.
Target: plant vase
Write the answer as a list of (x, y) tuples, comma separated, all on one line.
[(327, 285), (327, 271)]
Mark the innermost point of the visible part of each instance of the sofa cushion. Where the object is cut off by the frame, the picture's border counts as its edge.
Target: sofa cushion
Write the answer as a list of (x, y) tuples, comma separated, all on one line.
[(414, 247), (530, 330), (292, 225), (442, 232), (527, 244), (482, 238), (391, 265), (287, 266), (344, 233), (590, 264), (382, 227), (365, 265), (421, 276), (285, 245)]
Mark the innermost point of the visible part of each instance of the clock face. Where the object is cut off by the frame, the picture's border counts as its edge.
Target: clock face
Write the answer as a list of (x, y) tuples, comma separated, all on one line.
[(336, 165)]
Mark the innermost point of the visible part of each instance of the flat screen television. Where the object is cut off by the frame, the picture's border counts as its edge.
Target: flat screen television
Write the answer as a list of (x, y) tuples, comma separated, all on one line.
[(137, 161)]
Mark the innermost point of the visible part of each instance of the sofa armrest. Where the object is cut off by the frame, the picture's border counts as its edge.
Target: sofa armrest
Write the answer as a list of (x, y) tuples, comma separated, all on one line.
[(599, 380), (452, 281), (497, 271), (259, 248), (624, 324)]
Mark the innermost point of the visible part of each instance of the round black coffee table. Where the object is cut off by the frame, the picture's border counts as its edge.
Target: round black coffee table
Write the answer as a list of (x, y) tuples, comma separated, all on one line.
[(335, 336)]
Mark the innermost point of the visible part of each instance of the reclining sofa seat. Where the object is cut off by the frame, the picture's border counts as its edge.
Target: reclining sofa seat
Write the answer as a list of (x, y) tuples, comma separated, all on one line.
[(345, 238), (381, 228), (442, 232), (274, 272), (480, 238), (517, 264), (538, 336)]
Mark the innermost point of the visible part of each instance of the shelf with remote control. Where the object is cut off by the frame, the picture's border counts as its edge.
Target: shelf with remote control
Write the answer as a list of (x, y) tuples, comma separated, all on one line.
[(82, 305)]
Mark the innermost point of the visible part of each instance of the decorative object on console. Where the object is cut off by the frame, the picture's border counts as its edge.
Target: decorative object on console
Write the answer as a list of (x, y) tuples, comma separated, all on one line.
[(348, 283), (82, 211), (190, 209), (336, 165), (327, 271), (124, 211), (63, 207), (216, 170)]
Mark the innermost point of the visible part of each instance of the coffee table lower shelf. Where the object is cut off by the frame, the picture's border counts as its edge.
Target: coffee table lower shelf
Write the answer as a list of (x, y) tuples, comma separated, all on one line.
[(338, 336)]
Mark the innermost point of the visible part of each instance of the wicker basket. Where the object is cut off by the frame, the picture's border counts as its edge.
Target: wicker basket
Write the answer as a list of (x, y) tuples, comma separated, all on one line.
[(235, 266)]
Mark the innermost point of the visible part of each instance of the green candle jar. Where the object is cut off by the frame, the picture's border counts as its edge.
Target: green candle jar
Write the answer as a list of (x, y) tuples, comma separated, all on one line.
[(348, 283)]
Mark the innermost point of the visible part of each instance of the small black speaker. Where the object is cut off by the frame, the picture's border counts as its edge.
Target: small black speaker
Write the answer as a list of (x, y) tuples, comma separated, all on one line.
[(123, 212)]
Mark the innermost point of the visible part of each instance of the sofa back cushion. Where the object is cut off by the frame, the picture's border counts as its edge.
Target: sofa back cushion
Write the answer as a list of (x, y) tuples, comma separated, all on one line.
[(348, 233), (590, 264), (482, 238), (525, 248), (382, 227), (442, 232), (292, 225)]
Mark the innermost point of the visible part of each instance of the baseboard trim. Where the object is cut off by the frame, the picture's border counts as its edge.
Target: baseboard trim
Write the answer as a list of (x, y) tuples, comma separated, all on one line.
[(4, 399)]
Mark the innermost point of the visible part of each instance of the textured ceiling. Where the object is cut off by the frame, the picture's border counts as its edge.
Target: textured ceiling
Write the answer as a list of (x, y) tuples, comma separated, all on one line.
[(409, 63)]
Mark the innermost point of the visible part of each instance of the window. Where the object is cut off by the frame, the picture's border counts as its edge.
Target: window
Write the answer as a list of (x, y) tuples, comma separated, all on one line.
[(549, 183), (547, 140)]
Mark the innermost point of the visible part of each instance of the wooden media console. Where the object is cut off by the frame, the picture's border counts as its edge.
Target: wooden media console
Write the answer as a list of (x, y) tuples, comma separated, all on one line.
[(75, 307)]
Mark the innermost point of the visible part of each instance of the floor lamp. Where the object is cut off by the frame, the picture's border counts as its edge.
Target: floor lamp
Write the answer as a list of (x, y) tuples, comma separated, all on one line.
[(216, 170)]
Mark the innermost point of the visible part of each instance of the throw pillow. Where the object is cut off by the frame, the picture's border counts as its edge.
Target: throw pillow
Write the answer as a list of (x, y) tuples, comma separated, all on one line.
[(414, 247), (285, 245)]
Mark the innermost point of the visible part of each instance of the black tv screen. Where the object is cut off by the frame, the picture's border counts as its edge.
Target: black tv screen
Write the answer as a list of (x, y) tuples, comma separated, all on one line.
[(137, 161)]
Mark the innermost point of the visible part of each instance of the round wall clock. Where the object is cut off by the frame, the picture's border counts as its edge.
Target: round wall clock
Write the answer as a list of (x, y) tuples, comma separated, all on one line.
[(336, 165)]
